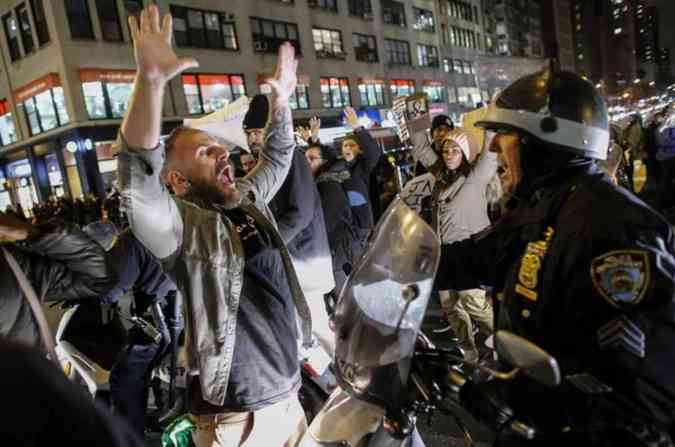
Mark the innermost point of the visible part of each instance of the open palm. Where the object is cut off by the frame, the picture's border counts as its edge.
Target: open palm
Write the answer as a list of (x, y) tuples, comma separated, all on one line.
[(155, 57), (285, 78)]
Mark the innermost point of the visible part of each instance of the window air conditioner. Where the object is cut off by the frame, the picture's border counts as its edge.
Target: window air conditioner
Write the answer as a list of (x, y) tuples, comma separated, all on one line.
[(261, 46)]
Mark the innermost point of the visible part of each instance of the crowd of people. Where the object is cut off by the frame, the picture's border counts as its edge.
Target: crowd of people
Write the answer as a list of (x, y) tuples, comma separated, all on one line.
[(530, 207)]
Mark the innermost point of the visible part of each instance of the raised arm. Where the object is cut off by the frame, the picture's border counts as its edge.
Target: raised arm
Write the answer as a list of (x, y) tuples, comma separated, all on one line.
[(275, 159), (152, 212), (371, 152)]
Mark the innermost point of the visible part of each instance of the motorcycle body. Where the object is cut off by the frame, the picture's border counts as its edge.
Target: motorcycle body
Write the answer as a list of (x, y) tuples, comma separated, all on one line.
[(377, 326)]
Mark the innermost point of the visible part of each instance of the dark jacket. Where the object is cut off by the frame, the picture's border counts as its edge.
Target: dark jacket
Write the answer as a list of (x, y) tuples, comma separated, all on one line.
[(358, 185), (607, 263), (340, 225), (62, 263), (139, 271), (299, 215), (48, 409)]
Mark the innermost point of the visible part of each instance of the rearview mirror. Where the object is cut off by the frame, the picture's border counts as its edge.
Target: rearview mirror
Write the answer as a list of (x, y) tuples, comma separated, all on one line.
[(528, 357)]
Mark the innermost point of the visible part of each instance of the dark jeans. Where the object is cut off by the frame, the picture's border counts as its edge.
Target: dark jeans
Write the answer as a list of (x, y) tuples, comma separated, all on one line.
[(129, 378)]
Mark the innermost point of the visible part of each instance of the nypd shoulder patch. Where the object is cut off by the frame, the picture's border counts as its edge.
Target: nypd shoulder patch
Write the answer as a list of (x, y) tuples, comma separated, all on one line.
[(621, 277)]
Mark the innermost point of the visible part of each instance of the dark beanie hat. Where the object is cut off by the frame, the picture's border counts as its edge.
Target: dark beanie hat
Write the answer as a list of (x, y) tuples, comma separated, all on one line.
[(441, 120), (258, 112)]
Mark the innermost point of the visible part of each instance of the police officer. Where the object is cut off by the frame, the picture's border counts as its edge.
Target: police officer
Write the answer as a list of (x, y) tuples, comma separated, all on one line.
[(585, 269)]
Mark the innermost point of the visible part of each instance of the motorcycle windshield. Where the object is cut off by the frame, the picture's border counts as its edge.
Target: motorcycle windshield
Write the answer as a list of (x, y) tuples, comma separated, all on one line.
[(384, 300)]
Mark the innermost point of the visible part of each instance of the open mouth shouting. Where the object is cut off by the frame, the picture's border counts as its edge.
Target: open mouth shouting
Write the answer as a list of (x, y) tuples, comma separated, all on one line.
[(225, 175)]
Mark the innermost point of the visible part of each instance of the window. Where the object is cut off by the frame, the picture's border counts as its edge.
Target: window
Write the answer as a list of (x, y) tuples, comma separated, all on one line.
[(372, 94), (402, 87), (446, 65), (12, 34), (25, 28), (110, 20), (299, 100), (208, 92), (365, 47), (398, 52), (328, 43), (107, 93), (330, 5), (46, 110), (268, 35), (424, 20), (434, 92), (203, 29), (335, 93), (361, 8), (7, 129), (467, 67), (40, 21), (79, 19), (427, 55), (393, 13), (457, 66)]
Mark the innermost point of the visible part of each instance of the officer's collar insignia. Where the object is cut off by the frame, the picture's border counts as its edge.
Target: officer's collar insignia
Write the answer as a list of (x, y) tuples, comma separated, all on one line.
[(621, 276)]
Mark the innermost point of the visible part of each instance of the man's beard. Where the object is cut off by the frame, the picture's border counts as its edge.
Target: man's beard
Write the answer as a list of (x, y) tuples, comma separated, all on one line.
[(207, 194)]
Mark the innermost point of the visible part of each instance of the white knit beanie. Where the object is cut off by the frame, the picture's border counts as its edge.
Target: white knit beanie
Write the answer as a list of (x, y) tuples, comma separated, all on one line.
[(462, 140)]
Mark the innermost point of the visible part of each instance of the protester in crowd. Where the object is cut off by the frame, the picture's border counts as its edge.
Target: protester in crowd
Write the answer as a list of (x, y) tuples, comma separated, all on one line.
[(216, 240), (59, 261), (454, 202), (651, 149), (615, 164), (441, 125), (584, 269), (299, 216), (341, 229), (248, 161), (360, 155), (634, 143)]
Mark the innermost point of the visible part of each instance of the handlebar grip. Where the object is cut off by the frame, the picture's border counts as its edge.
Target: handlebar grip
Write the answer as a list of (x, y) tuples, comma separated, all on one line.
[(523, 430)]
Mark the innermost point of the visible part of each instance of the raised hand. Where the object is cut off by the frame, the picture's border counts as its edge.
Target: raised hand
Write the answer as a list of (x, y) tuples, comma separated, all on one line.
[(155, 59), (285, 78), (304, 133), (315, 126), (352, 118)]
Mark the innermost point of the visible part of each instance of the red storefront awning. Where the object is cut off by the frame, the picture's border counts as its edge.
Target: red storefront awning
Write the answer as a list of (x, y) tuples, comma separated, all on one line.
[(4, 107), (433, 83), (36, 87), (212, 79), (101, 75)]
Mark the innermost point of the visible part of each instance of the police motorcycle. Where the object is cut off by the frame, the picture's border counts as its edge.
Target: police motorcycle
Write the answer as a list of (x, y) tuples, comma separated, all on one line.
[(388, 372), (91, 334)]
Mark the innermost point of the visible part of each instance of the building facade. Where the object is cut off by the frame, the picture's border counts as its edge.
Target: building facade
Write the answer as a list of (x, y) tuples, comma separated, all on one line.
[(519, 30), (67, 69), (557, 32)]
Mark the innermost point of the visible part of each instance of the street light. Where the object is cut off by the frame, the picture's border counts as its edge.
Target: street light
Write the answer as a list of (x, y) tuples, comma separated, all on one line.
[(637, 81)]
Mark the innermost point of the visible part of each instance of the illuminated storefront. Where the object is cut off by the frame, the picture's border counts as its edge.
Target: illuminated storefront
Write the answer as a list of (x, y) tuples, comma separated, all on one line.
[(43, 104)]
